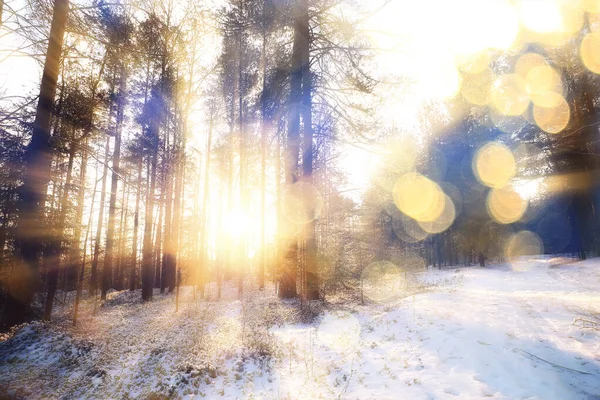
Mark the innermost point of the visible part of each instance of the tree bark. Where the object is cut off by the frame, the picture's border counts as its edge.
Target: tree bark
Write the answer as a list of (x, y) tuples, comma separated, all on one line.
[(100, 223), (112, 208), (311, 275), (136, 216), (287, 283), (147, 270), (54, 245), (30, 230)]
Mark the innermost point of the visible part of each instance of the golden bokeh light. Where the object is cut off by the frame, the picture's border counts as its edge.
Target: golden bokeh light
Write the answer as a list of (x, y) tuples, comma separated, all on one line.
[(476, 88), (544, 86), (418, 197), (505, 205), (443, 221), (527, 62), (520, 244), (552, 119), (382, 281), (408, 230), (589, 53), (494, 165), (508, 95)]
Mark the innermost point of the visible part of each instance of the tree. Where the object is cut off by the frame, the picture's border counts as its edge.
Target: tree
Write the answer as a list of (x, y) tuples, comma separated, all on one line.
[(33, 192)]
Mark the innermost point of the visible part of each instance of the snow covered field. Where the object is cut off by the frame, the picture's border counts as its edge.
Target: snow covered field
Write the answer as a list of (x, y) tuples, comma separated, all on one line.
[(504, 332)]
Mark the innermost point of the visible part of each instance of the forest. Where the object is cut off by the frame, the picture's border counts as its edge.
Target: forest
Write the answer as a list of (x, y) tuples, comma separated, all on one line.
[(299, 199)]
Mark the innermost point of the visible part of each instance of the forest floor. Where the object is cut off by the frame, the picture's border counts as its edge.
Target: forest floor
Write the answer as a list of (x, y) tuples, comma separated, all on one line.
[(502, 332)]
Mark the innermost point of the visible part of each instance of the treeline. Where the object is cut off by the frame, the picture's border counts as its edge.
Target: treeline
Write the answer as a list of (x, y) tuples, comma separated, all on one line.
[(156, 126)]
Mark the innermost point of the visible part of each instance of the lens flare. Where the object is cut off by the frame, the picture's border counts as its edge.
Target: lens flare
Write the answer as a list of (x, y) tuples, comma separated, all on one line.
[(382, 281), (418, 197), (443, 221), (527, 62), (589, 53), (408, 230), (494, 165), (476, 88), (523, 243), (544, 86), (552, 119), (508, 95), (505, 205)]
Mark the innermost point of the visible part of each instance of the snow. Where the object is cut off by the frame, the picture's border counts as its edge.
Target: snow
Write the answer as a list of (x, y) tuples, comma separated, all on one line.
[(502, 332)]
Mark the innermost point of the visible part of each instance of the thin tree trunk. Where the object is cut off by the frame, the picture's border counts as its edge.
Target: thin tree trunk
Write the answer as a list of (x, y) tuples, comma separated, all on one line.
[(119, 275), (205, 197), (165, 281), (52, 259), (243, 206), (107, 271), (147, 270), (82, 268), (158, 282), (136, 216), (177, 208), (263, 162), (74, 251), (100, 223), (311, 282)]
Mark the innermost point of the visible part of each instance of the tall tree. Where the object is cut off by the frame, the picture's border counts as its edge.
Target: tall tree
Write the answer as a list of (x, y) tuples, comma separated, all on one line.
[(30, 232)]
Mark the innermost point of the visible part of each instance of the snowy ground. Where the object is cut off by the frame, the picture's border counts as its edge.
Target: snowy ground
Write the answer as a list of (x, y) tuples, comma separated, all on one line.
[(505, 332)]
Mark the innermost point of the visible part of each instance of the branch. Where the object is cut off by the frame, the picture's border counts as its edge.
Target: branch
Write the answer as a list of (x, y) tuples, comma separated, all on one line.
[(555, 365)]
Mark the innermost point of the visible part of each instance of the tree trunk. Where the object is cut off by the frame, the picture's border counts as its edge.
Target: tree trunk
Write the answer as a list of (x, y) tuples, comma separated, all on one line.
[(287, 283), (82, 268), (30, 230), (165, 281), (112, 208), (205, 197), (263, 162), (177, 210), (311, 276), (74, 251), (100, 223), (54, 246), (136, 216), (147, 270), (119, 274)]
